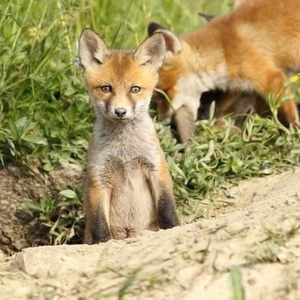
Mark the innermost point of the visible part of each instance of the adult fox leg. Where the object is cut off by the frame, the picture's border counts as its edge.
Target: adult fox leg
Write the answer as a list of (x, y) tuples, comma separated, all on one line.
[(269, 79), (184, 123)]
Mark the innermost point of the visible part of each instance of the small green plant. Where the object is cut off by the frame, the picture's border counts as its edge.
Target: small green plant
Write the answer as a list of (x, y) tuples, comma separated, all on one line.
[(280, 235), (265, 253), (128, 283), (62, 215), (237, 288), (276, 237)]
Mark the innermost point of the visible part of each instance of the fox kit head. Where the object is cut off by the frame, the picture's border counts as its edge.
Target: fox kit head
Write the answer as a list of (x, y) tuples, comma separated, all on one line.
[(120, 82)]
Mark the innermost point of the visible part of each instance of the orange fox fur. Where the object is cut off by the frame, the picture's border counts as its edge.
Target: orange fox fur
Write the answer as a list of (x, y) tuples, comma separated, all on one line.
[(129, 187), (248, 50)]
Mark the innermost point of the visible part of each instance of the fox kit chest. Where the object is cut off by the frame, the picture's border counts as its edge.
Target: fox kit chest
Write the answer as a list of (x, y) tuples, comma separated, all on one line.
[(120, 149), (132, 204)]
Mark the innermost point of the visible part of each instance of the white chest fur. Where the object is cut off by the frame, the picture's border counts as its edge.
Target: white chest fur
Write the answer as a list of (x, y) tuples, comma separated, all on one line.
[(122, 143), (190, 88)]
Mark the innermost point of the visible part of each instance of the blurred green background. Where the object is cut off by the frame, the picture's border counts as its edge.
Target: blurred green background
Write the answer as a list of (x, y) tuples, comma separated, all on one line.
[(41, 87)]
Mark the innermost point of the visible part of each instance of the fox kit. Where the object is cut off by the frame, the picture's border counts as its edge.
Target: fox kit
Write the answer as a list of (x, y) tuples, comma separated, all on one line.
[(129, 187), (245, 51), (230, 102)]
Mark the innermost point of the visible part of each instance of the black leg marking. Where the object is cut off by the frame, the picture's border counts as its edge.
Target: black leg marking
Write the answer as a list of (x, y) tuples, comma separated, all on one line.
[(100, 229), (167, 216)]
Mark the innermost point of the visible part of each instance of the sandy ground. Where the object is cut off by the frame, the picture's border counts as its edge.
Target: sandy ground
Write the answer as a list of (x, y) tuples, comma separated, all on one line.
[(249, 250)]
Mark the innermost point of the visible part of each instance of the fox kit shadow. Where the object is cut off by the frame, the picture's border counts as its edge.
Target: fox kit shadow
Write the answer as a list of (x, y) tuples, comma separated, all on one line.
[(246, 52), (129, 187)]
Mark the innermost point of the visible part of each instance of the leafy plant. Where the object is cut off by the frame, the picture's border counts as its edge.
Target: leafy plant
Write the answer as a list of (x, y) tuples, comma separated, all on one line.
[(221, 158), (63, 215), (42, 105)]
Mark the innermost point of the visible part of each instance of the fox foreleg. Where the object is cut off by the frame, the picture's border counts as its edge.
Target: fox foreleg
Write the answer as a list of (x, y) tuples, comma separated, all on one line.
[(97, 215)]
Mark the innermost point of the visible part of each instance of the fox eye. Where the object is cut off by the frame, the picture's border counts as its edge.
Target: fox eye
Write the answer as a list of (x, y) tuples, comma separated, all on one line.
[(135, 89), (106, 89)]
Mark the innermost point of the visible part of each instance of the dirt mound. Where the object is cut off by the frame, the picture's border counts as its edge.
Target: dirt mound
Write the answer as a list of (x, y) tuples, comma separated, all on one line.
[(20, 227), (250, 248)]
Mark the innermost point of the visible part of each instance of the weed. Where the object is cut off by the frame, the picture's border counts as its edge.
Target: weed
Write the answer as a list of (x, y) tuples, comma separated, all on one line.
[(266, 253), (218, 158), (128, 283), (63, 215), (276, 237), (238, 292), (280, 235)]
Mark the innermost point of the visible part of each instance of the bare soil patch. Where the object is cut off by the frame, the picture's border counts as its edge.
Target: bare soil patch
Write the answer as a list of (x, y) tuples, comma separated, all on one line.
[(251, 247), (20, 227)]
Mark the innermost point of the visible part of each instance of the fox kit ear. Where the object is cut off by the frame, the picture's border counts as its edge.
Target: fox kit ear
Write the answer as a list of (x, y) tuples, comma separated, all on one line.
[(151, 52), (205, 18), (172, 42), (92, 49)]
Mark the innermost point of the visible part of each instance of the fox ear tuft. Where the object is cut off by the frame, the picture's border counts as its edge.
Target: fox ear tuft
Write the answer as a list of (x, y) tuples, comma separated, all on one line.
[(92, 49), (151, 52)]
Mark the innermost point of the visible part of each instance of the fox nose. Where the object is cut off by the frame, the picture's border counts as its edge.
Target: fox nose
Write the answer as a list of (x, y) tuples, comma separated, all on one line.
[(120, 112)]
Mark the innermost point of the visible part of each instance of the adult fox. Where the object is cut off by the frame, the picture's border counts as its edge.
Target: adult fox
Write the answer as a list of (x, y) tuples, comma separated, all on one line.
[(245, 51), (129, 187)]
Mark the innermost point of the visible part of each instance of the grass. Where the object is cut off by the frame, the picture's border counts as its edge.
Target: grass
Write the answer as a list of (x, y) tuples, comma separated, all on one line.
[(46, 118), (277, 236), (238, 292)]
